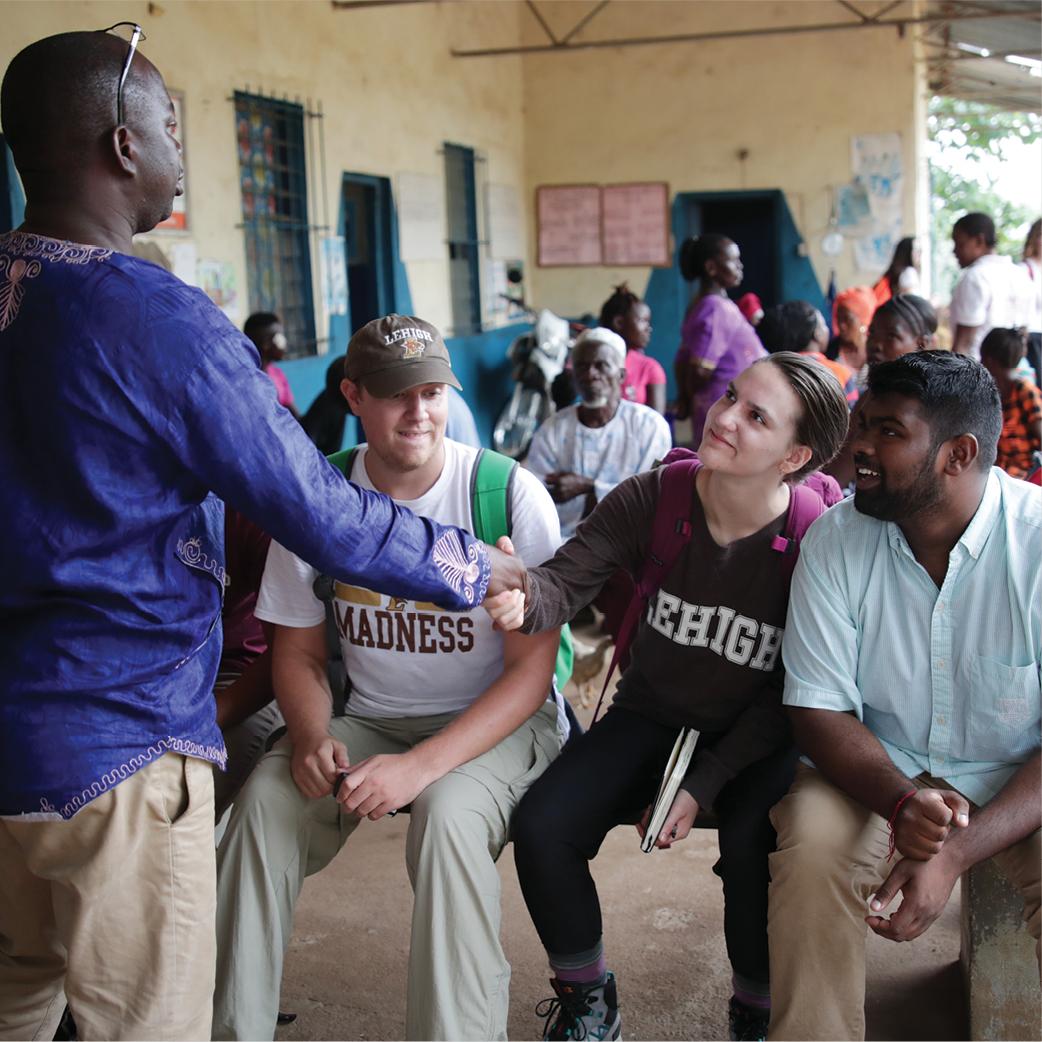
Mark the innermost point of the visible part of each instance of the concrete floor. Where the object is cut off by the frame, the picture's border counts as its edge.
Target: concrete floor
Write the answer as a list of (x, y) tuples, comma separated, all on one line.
[(345, 972)]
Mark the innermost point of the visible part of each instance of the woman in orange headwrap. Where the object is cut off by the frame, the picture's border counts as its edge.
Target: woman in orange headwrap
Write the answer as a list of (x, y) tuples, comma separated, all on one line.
[(851, 314)]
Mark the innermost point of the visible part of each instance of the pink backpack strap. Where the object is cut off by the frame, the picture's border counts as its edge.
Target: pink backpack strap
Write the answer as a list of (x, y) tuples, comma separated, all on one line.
[(670, 533), (805, 507)]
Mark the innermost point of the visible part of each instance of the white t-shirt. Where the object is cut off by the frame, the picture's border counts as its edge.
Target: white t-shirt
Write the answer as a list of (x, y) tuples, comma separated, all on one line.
[(409, 658), (908, 281), (630, 442), (992, 291), (1033, 269)]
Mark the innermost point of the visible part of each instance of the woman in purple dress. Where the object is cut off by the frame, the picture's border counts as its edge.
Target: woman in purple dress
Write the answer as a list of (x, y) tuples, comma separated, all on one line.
[(716, 342)]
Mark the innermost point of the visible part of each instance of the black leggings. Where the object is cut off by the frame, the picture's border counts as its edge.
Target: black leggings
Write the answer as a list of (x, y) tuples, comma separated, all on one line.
[(607, 778)]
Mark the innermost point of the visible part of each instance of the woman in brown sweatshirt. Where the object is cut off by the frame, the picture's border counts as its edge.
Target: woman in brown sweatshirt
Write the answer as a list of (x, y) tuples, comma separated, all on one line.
[(706, 656)]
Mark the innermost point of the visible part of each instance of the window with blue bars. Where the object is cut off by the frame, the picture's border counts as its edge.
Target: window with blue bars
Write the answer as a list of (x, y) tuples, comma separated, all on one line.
[(273, 179), (464, 262)]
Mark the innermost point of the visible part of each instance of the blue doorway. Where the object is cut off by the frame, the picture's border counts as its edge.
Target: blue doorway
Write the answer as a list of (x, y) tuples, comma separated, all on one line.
[(366, 209), (747, 218)]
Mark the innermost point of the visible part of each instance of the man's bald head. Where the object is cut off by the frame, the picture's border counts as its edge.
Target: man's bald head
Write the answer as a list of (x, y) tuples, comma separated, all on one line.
[(58, 98)]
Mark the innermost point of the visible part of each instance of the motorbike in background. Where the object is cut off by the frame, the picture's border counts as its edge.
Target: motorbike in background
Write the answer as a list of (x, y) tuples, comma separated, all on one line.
[(538, 358)]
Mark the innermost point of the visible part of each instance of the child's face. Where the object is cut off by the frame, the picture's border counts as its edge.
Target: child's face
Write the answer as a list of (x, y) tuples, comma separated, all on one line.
[(889, 338), (273, 343), (635, 326), (998, 372)]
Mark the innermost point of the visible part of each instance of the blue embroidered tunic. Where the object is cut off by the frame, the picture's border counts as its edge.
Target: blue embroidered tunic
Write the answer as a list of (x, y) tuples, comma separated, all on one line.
[(131, 409)]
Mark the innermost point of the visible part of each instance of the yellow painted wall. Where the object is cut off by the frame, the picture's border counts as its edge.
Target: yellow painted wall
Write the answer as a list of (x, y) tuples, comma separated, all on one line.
[(390, 91), (392, 94), (681, 112)]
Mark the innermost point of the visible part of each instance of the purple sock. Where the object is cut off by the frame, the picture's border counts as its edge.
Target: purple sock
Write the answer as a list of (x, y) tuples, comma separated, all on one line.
[(751, 993), (585, 973)]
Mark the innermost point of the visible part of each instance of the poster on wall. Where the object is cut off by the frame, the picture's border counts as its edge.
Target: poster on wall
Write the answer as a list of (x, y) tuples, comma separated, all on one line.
[(422, 226), (217, 281), (568, 220), (334, 274), (178, 219), (877, 163), (852, 210), (635, 224)]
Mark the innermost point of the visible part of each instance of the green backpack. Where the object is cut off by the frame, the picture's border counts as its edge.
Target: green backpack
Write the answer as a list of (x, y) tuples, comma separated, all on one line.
[(490, 488)]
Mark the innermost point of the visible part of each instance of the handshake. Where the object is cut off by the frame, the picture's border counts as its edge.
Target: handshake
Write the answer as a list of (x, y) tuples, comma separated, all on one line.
[(508, 587)]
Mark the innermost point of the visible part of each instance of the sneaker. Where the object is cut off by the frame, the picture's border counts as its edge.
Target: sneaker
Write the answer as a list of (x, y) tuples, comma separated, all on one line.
[(582, 1011), (746, 1023)]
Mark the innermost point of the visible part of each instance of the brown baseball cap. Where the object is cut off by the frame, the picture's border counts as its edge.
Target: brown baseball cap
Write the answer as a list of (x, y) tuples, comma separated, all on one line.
[(396, 352)]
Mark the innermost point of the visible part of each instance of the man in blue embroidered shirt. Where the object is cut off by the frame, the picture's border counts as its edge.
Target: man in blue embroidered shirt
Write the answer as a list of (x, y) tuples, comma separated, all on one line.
[(912, 654), (130, 404)]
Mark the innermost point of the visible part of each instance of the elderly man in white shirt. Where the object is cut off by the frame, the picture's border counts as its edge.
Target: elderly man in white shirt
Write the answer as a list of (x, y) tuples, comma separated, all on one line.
[(912, 661), (992, 290), (582, 452)]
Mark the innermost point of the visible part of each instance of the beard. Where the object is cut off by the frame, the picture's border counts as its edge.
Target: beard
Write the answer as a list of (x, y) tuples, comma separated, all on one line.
[(885, 504)]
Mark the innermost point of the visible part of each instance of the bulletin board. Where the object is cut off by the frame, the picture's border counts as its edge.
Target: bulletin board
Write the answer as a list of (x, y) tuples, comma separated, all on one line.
[(635, 224), (583, 225), (568, 219)]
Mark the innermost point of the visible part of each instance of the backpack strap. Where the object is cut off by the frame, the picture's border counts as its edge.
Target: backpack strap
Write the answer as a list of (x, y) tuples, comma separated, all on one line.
[(805, 507), (670, 533), (324, 588), (491, 495), (491, 492), (344, 460)]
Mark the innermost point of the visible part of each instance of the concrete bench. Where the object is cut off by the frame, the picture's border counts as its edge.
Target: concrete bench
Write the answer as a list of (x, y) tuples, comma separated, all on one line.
[(998, 959)]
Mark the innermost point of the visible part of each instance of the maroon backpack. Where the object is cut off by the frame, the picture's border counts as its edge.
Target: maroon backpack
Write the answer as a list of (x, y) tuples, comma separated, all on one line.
[(671, 532)]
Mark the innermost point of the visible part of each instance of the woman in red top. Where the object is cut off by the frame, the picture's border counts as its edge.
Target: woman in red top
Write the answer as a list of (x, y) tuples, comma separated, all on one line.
[(903, 274), (628, 315)]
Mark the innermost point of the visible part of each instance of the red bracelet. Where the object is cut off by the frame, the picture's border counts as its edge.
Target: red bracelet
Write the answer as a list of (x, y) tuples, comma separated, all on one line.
[(891, 850)]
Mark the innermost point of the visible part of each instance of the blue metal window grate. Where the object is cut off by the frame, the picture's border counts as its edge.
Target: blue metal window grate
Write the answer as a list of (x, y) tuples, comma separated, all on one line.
[(272, 176), (464, 265)]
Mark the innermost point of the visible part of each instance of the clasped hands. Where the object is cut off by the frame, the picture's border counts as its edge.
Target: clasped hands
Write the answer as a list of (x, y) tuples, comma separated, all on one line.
[(929, 867), (507, 607), (371, 788)]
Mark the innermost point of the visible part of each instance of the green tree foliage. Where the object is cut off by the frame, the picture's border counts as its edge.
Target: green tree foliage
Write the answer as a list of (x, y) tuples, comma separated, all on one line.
[(969, 131)]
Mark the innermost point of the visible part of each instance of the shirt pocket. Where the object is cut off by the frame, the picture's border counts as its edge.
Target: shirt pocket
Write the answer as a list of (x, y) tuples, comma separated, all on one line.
[(1004, 711)]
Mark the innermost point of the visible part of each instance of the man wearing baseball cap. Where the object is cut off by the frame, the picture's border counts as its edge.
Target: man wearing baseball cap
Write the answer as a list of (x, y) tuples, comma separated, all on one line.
[(446, 716), (582, 452)]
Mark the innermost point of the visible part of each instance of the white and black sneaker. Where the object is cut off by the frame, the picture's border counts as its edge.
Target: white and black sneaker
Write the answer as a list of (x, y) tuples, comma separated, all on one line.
[(582, 1011)]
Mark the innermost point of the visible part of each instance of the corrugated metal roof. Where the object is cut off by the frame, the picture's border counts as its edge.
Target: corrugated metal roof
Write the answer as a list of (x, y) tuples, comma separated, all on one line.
[(971, 59)]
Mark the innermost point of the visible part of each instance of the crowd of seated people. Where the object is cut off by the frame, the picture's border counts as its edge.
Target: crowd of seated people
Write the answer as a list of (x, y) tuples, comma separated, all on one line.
[(857, 732)]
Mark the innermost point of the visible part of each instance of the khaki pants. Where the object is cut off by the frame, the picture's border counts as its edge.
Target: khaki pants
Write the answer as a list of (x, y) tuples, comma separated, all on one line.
[(458, 975), (831, 856), (117, 905)]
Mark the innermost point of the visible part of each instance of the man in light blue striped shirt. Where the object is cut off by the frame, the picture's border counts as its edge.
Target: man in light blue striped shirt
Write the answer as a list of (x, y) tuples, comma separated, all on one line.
[(912, 656)]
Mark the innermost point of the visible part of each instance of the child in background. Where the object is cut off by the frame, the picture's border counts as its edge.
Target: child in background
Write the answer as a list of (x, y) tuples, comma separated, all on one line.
[(797, 325), (904, 324), (264, 328), (1001, 352), (851, 314), (626, 314)]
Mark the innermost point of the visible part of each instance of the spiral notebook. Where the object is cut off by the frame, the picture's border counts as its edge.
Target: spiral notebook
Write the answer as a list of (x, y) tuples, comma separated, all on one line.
[(672, 776)]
